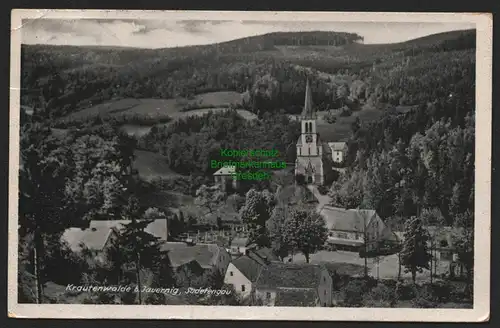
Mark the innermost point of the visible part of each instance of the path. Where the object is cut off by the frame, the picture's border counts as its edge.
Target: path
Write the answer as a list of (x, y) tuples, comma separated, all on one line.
[(322, 199)]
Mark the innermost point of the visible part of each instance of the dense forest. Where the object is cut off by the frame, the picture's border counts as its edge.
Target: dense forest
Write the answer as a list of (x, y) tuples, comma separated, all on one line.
[(64, 79), (413, 162)]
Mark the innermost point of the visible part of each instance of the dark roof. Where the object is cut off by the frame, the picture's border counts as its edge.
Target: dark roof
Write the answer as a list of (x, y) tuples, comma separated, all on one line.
[(157, 228), (181, 253), (296, 297), (345, 269), (346, 220), (308, 111), (248, 267), (278, 274)]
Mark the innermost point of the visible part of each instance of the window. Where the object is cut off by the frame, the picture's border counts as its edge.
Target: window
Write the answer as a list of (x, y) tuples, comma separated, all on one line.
[(268, 295), (242, 288), (324, 293), (231, 273), (324, 280)]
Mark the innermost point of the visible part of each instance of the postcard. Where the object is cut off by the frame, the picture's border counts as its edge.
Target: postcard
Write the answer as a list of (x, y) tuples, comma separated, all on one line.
[(250, 165)]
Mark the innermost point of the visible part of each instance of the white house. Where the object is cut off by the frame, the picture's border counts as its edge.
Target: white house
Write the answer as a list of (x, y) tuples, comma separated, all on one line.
[(349, 229), (242, 274), (338, 150), (225, 177)]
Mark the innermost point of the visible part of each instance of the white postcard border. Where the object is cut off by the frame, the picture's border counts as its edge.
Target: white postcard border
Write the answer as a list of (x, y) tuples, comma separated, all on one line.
[(481, 309)]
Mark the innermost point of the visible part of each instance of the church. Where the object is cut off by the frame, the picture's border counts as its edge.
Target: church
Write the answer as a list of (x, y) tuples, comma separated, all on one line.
[(309, 162)]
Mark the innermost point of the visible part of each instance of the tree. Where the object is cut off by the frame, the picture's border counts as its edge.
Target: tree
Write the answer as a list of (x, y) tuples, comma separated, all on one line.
[(415, 255), (255, 213), (305, 231), (139, 248), (465, 246), (209, 197), (43, 171), (276, 227)]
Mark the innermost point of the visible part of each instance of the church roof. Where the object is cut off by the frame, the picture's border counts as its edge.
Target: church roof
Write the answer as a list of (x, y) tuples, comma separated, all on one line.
[(308, 111)]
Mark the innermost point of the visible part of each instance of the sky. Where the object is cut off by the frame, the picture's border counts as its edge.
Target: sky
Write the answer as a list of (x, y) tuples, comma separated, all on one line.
[(176, 33)]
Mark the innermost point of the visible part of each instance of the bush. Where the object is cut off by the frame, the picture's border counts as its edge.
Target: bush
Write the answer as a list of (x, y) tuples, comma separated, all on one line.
[(323, 190), (352, 293), (300, 179), (425, 297), (346, 112), (330, 118), (405, 291)]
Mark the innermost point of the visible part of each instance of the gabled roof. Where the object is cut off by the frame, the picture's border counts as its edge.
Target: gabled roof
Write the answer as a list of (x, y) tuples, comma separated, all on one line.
[(308, 111), (248, 267), (157, 228), (97, 234), (227, 170), (94, 239), (296, 297), (240, 241), (347, 220), (280, 275), (180, 253), (337, 145)]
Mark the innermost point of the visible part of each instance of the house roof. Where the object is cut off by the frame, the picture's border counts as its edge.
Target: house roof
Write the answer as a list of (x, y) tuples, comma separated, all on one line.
[(347, 269), (346, 220), (227, 170), (278, 274), (157, 228), (296, 297), (337, 145), (248, 267), (92, 238), (240, 241), (180, 253), (98, 232)]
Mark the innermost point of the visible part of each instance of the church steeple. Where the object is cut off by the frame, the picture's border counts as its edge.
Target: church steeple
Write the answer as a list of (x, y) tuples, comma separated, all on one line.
[(308, 111)]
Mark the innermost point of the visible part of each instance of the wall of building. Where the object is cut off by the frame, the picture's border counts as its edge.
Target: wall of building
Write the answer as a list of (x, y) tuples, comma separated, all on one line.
[(222, 261), (325, 289), (242, 285), (268, 296)]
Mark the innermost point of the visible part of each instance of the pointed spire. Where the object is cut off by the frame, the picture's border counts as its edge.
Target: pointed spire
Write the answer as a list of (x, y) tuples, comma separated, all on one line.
[(308, 106)]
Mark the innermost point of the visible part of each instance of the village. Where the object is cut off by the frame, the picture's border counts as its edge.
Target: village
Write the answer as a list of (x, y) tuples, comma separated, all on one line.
[(359, 243)]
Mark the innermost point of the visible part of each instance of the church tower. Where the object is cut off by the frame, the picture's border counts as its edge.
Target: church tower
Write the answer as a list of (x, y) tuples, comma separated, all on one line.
[(309, 161)]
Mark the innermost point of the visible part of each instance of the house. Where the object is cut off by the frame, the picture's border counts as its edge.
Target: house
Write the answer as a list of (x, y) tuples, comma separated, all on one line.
[(349, 229), (238, 246), (100, 234), (280, 284), (339, 151), (157, 228), (442, 247), (242, 274), (225, 177), (208, 256)]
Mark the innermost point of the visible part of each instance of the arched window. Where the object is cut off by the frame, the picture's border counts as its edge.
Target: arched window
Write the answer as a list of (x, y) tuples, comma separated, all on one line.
[(307, 127), (310, 127)]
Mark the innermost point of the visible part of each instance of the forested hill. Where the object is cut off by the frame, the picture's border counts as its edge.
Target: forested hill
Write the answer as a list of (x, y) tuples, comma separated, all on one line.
[(71, 78)]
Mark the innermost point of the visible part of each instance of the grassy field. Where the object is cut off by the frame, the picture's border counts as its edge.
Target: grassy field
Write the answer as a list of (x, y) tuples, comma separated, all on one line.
[(141, 130), (341, 129), (152, 165), (151, 108)]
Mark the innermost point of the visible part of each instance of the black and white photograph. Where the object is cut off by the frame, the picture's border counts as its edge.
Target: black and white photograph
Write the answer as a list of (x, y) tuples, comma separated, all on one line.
[(250, 165)]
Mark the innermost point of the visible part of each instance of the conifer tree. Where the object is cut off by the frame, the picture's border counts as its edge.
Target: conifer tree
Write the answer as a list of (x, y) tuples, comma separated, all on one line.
[(415, 255)]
